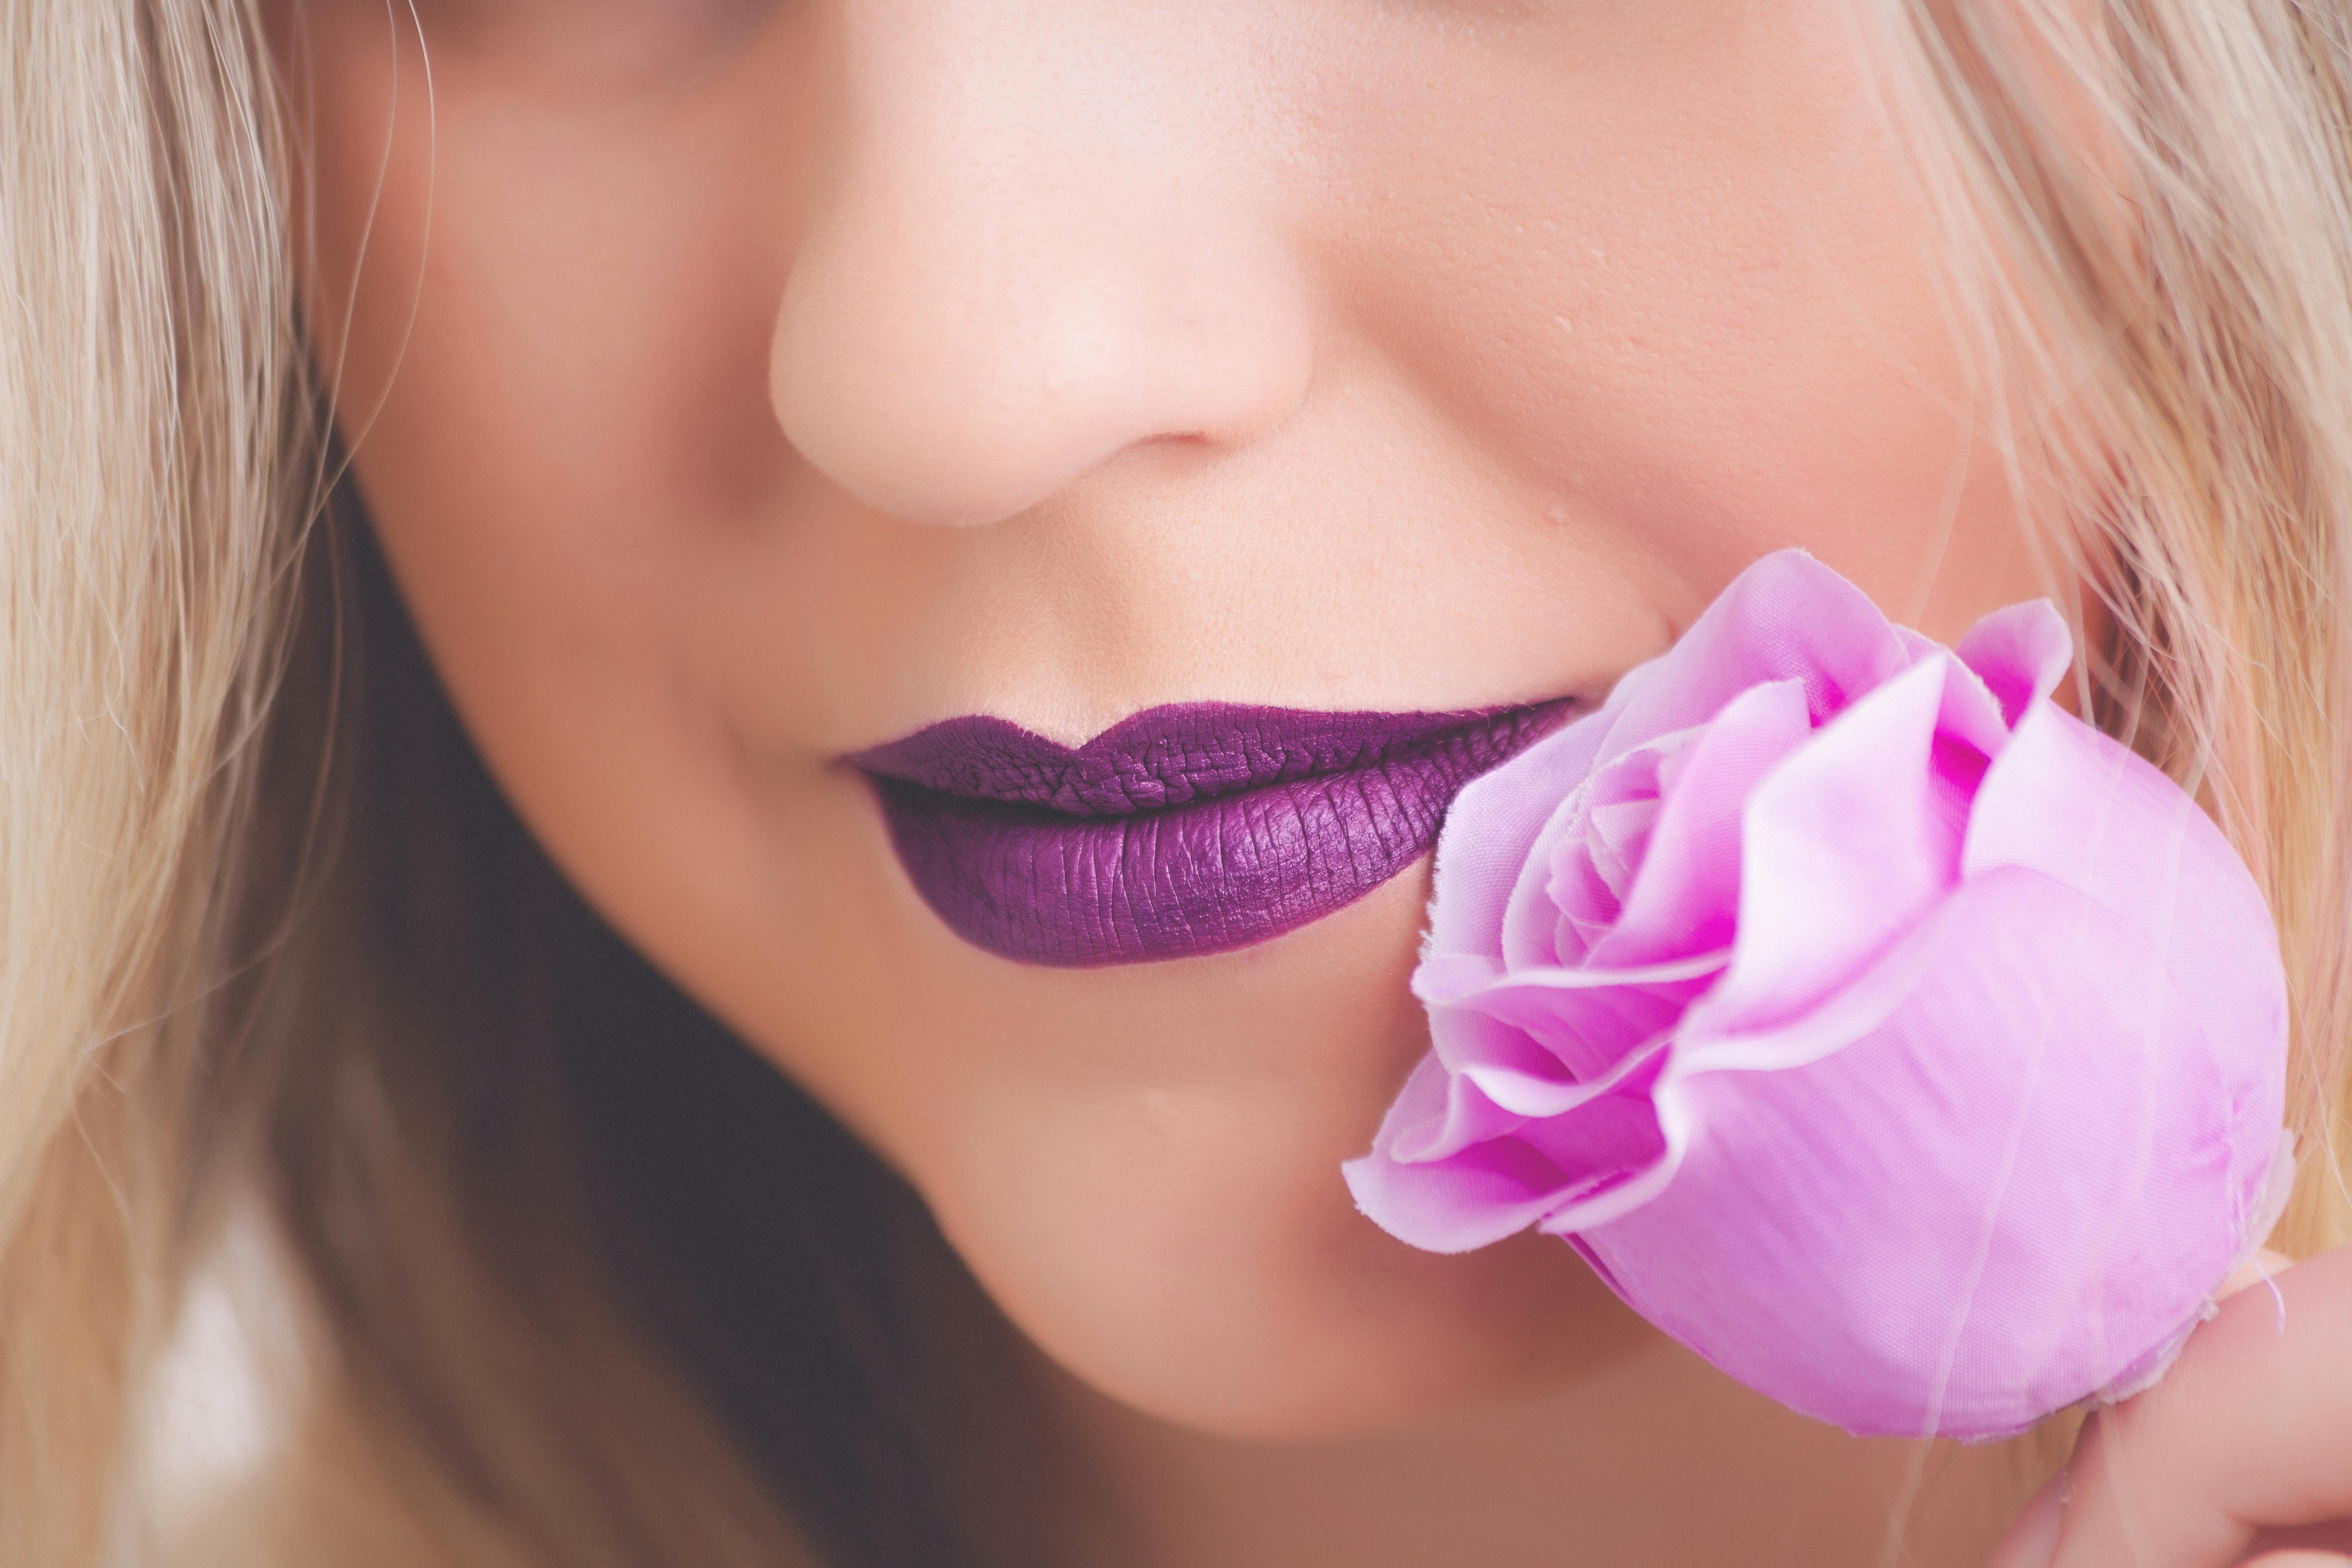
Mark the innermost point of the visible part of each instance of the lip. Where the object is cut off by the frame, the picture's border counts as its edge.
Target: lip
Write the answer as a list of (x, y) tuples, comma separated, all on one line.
[(1183, 830)]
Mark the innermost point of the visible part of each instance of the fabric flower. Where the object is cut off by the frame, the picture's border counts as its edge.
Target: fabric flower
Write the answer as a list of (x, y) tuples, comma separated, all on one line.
[(1897, 1042)]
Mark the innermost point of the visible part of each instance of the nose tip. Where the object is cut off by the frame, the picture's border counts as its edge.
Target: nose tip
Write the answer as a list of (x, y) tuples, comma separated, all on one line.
[(946, 380), (998, 293)]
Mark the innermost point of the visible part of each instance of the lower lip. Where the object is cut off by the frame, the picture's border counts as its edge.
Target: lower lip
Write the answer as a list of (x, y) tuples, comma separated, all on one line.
[(1044, 887)]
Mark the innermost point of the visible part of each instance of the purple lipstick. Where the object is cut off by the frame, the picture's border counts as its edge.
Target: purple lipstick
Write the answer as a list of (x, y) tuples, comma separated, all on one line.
[(1187, 829)]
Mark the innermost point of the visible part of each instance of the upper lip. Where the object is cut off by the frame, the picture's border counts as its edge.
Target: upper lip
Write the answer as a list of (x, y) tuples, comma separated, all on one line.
[(1176, 754)]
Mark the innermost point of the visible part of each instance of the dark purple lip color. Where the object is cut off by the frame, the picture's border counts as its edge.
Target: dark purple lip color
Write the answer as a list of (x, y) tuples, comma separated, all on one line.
[(1183, 830)]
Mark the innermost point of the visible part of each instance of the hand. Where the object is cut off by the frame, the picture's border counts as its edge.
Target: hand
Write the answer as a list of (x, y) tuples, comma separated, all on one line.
[(2241, 1454)]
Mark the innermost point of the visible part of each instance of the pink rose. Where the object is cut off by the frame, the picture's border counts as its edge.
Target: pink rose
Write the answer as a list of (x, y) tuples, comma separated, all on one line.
[(1887, 1036)]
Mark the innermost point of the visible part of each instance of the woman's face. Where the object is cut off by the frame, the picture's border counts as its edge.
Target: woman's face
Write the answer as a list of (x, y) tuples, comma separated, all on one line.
[(740, 385)]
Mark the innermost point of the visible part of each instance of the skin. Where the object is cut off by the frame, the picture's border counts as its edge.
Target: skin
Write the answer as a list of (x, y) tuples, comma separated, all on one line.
[(735, 385)]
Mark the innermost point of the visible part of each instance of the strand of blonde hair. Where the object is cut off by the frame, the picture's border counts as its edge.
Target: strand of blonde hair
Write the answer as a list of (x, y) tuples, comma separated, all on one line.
[(148, 373)]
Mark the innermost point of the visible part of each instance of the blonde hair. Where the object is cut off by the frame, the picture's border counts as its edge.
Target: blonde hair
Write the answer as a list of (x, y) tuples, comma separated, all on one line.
[(2149, 213), (150, 379)]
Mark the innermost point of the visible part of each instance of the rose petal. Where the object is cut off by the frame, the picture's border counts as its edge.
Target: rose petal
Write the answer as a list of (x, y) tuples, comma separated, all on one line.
[(1847, 847), (1461, 1115), (1466, 1119), (1686, 899), (1425, 1112), (1533, 933), (1474, 1199), (1844, 1014), (1535, 927), (1971, 714), (1608, 1153), (1975, 1213), (1488, 829), (2020, 653), (1481, 1195), (1455, 985), (1584, 1019), (2085, 810), (1787, 617), (1621, 1149), (1617, 840), (1540, 1098)]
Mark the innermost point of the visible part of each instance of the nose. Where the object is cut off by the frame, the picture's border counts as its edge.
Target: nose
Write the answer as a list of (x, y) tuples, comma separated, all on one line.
[(1041, 243)]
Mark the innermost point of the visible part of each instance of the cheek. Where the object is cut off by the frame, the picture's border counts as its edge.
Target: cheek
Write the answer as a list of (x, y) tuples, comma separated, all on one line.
[(551, 318), (547, 331), (1675, 261)]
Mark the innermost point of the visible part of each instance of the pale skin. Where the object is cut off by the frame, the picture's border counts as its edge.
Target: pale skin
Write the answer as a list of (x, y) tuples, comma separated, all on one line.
[(738, 383)]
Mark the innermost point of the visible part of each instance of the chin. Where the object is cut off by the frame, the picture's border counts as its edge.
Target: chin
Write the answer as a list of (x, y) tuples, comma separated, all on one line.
[(1395, 1347), (1140, 1164), (1283, 1314)]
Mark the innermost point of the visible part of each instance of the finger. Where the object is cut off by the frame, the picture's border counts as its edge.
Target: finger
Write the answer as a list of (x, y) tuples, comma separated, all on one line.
[(2299, 1560), (2251, 1427), (2031, 1541)]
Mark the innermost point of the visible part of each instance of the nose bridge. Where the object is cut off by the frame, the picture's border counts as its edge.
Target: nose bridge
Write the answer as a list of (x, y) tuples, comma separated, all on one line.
[(1035, 252)]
